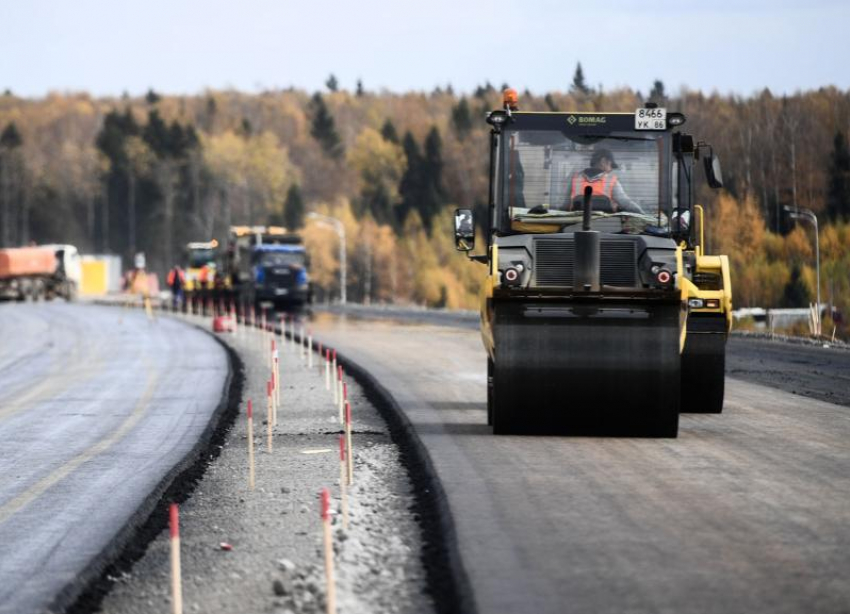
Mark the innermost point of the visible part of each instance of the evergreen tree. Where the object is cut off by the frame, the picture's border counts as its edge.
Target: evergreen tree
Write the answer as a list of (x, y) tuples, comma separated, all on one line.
[(11, 137), (796, 294), (411, 186), (323, 128), (293, 208), (388, 131), (10, 140), (332, 84), (461, 119), (157, 135), (359, 91), (247, 129), (656, 94), (550, 103), (152, 97), (838, 194), (433, 196), (579, 85)]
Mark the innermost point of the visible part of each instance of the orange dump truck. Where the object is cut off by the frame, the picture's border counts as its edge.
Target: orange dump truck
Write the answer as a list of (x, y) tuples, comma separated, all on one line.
[(39, 272)]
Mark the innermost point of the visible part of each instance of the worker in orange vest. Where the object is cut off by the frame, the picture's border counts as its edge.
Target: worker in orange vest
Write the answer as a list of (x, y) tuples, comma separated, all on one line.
[(176, 280), (600, 177)]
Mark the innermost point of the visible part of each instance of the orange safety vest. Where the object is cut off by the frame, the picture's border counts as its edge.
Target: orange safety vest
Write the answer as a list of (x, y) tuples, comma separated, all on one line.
[(171, 276), (602, 185)]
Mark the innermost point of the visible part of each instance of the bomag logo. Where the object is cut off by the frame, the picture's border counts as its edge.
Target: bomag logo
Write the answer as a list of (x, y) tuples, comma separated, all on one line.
[(587, 120)]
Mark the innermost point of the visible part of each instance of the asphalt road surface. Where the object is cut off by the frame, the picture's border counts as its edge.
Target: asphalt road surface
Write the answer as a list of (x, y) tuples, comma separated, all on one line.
[(747, 511), (97, 405)]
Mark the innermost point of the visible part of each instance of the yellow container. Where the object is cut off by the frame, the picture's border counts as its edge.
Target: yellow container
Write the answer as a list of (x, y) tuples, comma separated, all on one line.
[(94, 277)]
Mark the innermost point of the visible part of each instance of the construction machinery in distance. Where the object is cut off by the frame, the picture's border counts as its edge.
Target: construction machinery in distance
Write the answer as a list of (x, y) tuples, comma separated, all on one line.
[(42, 272), (268, 266), (203, 275), (601, 313)]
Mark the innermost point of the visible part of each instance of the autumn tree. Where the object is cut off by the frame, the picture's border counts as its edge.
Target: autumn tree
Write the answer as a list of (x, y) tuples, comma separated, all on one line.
[(379, 164)]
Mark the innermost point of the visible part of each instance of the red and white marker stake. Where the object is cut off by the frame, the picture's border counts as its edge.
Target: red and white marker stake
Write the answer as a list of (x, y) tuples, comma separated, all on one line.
[(309, 349), (343, 479), (250, 445), (329, 552), (333, 370), (269, 416), (341, 387), (274, 399), (276, 361), (349, 453), (176, 580), (303, 344)]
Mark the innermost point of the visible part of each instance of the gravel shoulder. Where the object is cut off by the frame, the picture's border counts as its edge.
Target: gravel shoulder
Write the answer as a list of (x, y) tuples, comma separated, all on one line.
[(260, 550)]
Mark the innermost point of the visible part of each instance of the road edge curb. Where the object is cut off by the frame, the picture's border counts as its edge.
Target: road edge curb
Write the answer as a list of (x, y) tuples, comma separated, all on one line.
[(448, 581)]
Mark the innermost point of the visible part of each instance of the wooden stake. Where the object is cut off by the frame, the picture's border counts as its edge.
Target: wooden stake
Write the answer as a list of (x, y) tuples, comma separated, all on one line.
[(349, 456), (176, 582), (343, 479), (339, 386), (250, 446), (321, 356), (327, 369), (329, 552), (269, 416)]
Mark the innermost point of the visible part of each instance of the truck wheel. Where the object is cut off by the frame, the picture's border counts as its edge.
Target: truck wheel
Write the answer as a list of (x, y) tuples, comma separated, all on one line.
[(490, 370)]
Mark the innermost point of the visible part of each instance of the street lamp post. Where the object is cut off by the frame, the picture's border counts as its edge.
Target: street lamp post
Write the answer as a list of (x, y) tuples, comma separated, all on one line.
[(340, 231), (806, 214)]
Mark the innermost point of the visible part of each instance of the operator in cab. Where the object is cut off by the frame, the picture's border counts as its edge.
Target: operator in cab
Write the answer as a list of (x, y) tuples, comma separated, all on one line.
[(600, 177)]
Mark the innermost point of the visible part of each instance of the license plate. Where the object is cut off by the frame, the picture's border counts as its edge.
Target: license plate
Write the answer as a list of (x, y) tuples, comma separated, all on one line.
[(651, 119)]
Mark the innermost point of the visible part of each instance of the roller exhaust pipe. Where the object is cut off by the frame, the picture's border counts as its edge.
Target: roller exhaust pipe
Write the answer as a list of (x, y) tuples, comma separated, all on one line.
[(586, 267)]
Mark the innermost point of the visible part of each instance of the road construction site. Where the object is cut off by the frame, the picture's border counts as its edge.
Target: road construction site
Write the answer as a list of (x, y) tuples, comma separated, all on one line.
[(745, 511)]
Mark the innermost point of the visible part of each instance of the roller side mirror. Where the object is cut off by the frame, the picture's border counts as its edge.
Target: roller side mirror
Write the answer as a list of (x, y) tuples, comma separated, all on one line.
[(464, 230), (712, 171)]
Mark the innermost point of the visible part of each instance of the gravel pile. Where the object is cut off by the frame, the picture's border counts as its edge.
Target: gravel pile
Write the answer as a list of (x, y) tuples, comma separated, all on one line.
[(261, 550)]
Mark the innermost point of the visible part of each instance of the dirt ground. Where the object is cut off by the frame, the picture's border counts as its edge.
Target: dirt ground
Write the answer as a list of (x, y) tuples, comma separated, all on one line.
[(261, 550)]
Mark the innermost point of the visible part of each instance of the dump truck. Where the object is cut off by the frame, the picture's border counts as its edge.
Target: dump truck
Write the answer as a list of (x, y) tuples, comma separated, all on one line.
[(268, 265), (35, 273), (600, 314)]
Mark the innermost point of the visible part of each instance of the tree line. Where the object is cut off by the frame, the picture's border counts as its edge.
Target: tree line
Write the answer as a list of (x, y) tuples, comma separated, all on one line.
[(152, 173)]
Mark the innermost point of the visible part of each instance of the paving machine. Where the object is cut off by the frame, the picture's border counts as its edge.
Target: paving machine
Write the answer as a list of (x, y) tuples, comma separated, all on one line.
[(600, 313)]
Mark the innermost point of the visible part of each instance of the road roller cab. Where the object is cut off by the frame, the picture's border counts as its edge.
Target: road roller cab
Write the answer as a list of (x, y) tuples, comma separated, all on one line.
[(597, 280)]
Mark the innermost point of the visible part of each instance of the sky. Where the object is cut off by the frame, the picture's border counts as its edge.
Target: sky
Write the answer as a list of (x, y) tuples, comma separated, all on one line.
[(109, 47)]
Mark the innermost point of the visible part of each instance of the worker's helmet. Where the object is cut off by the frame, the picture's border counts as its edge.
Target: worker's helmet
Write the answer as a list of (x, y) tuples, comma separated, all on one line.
[(603, 153)]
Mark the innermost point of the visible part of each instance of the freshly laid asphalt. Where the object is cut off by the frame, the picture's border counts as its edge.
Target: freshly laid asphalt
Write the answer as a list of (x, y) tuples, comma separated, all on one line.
[(97, 406), (747, 511)]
